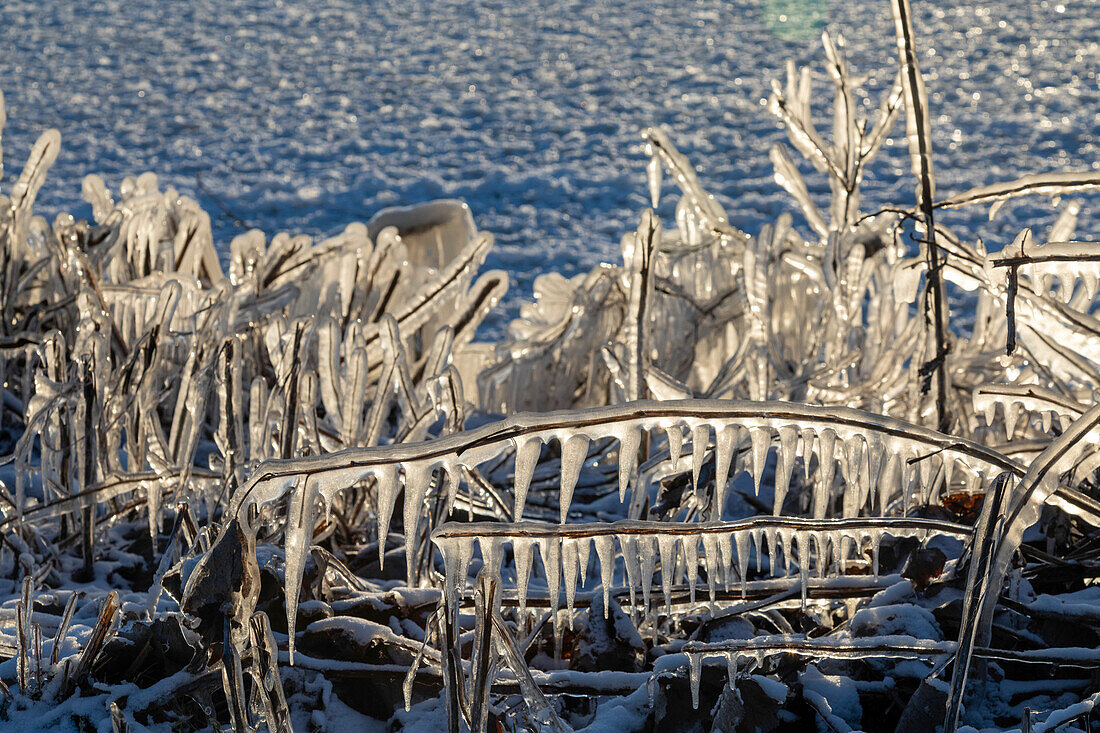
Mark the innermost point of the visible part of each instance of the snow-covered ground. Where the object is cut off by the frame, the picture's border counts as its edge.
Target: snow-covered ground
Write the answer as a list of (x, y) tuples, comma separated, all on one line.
[(303, 116)]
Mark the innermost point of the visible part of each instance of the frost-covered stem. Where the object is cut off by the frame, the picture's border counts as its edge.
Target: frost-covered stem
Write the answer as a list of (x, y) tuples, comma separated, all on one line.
[(166, 560), (1052, 184), (1010, 309), (231, 416), (920, 150), (978, 586), (233, 680), (645, 243), (601, 421), (98, 637), (449, 663), (87, 469), (290, 416), (63, 627), (644, 528), (24, 610), (1089, 255), (436, 513), (537, 703), (483, 657), (646, 239)]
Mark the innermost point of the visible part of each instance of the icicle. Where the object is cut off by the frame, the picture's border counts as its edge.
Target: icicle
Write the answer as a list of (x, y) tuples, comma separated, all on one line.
[(1091, 283), (572, 569), (527, 457), (989, 411), (853, 478), (695, 672), (725, 444), (700, 437), (788, 558), (909, 477), (772, 540), (761, 439), (675, 443), (629, 443), (605, 553), (491, 556), (629, 547), (875, 454), (758, 539), (690, 545), (573, 452), (784, 465), (927, 468), (876, 538), (654, 171), (648, 556), (584, 548), (807, 447), (452, 479), (385, 476), (838, 548), (710, 552), (948, 474), (301, 514), (889, 479), (457, 553), (973, 482), (1012, 412), (731, 669), (742, 540), (724, 559), (823, 488), (550, 551), (666, 544), (522, 551), (418, 477), (802, 540), (821, 544), (865, 477)]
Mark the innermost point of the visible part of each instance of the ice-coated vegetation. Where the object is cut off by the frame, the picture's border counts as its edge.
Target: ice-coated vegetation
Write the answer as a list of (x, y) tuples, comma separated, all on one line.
[(736, 481)]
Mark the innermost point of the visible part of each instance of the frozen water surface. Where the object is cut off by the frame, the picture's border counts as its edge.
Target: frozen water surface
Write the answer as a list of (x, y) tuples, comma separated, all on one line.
[(303, 116)]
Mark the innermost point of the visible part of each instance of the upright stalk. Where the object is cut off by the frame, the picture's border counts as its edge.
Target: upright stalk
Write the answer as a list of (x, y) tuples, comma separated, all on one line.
[(918, 132)]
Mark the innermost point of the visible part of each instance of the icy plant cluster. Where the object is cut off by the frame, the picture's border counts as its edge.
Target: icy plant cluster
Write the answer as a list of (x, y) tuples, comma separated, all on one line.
[(736, 482)]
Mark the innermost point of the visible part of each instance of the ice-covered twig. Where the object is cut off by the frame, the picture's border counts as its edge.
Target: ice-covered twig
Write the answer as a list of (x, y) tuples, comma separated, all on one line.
[(919, 134)]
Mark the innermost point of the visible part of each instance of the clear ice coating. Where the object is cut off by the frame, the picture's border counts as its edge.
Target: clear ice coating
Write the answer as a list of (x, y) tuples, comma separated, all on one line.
[(806, 544), (310, 375), (755, 651), (748, 428)]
